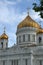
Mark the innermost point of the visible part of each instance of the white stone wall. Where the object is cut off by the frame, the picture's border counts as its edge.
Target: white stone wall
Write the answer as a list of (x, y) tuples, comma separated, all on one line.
[(32, 54), (36, 62), (21, 54), (1, 63)]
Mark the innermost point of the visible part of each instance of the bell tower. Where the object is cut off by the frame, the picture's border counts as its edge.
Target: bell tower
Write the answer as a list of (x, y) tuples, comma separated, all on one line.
[(3, 40)]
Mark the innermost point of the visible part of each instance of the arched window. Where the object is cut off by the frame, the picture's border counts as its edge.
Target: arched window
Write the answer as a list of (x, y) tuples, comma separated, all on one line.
[(3, 62), (39, 39), (40, 62), (28, 37), (33, 38), (25, 61), (6, 44), (19, 39), (2, 44), (23, 38), (14, 62)]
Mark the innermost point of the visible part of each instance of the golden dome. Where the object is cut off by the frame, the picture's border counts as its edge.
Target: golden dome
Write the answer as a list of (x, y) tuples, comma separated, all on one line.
[(3, 36), (39, 31), (28, 22)]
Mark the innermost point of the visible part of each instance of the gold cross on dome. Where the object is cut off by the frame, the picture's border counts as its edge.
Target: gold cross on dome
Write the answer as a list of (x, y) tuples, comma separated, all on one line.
[(4, 29), (28, 10)]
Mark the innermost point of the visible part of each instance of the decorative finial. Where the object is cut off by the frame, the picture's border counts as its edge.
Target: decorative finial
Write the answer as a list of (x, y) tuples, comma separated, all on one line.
[(4, 29), (28, 10)]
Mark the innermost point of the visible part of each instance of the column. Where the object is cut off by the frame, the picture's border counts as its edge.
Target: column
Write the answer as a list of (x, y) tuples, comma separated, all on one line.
[(8, 62), (1, 63), (21, 61), (30, 60)]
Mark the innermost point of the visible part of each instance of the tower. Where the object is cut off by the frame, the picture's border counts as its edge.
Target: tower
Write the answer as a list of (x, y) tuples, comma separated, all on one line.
[(3, 40)]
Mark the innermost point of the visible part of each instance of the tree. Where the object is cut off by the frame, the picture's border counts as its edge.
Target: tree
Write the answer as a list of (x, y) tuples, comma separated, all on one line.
[(39, 8)]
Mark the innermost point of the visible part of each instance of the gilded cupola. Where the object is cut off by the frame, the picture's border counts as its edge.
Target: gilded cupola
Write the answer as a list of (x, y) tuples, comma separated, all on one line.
[(28, 22), (40, 31), (4, 36)]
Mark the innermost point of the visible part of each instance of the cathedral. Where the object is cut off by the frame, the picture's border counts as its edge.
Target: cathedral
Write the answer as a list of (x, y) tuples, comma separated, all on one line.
[(28, 49)]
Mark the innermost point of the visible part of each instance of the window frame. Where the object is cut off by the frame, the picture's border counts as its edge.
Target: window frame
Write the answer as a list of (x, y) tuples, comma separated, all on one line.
[(40, 39), (3, 62), (19, 39), (29, 37), (26, 63), (24, 38), (2, 44)]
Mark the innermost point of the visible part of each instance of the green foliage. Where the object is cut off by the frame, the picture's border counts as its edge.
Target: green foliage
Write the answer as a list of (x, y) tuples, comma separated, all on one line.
[(41, 14), (39, 8)]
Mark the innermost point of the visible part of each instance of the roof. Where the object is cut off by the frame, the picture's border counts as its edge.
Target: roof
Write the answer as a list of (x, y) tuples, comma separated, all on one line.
[(3, 36), (40, 31), (28, 22)]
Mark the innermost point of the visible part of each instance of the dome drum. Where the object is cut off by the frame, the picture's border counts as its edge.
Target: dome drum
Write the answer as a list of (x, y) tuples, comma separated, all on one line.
[(26, 29)]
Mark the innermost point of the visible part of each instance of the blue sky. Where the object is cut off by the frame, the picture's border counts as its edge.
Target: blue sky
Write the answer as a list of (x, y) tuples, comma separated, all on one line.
[(12, 12)]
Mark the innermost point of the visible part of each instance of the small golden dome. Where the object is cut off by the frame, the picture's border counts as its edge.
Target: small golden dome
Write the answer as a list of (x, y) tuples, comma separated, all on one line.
[(39, 31), (28, 22), (3, 36)]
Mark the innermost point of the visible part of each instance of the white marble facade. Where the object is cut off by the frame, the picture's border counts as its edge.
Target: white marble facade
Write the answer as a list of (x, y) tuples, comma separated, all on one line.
[(28, 49)]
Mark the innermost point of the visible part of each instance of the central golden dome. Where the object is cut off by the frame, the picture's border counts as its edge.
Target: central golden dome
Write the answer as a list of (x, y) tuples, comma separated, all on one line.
[(28, 22)]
